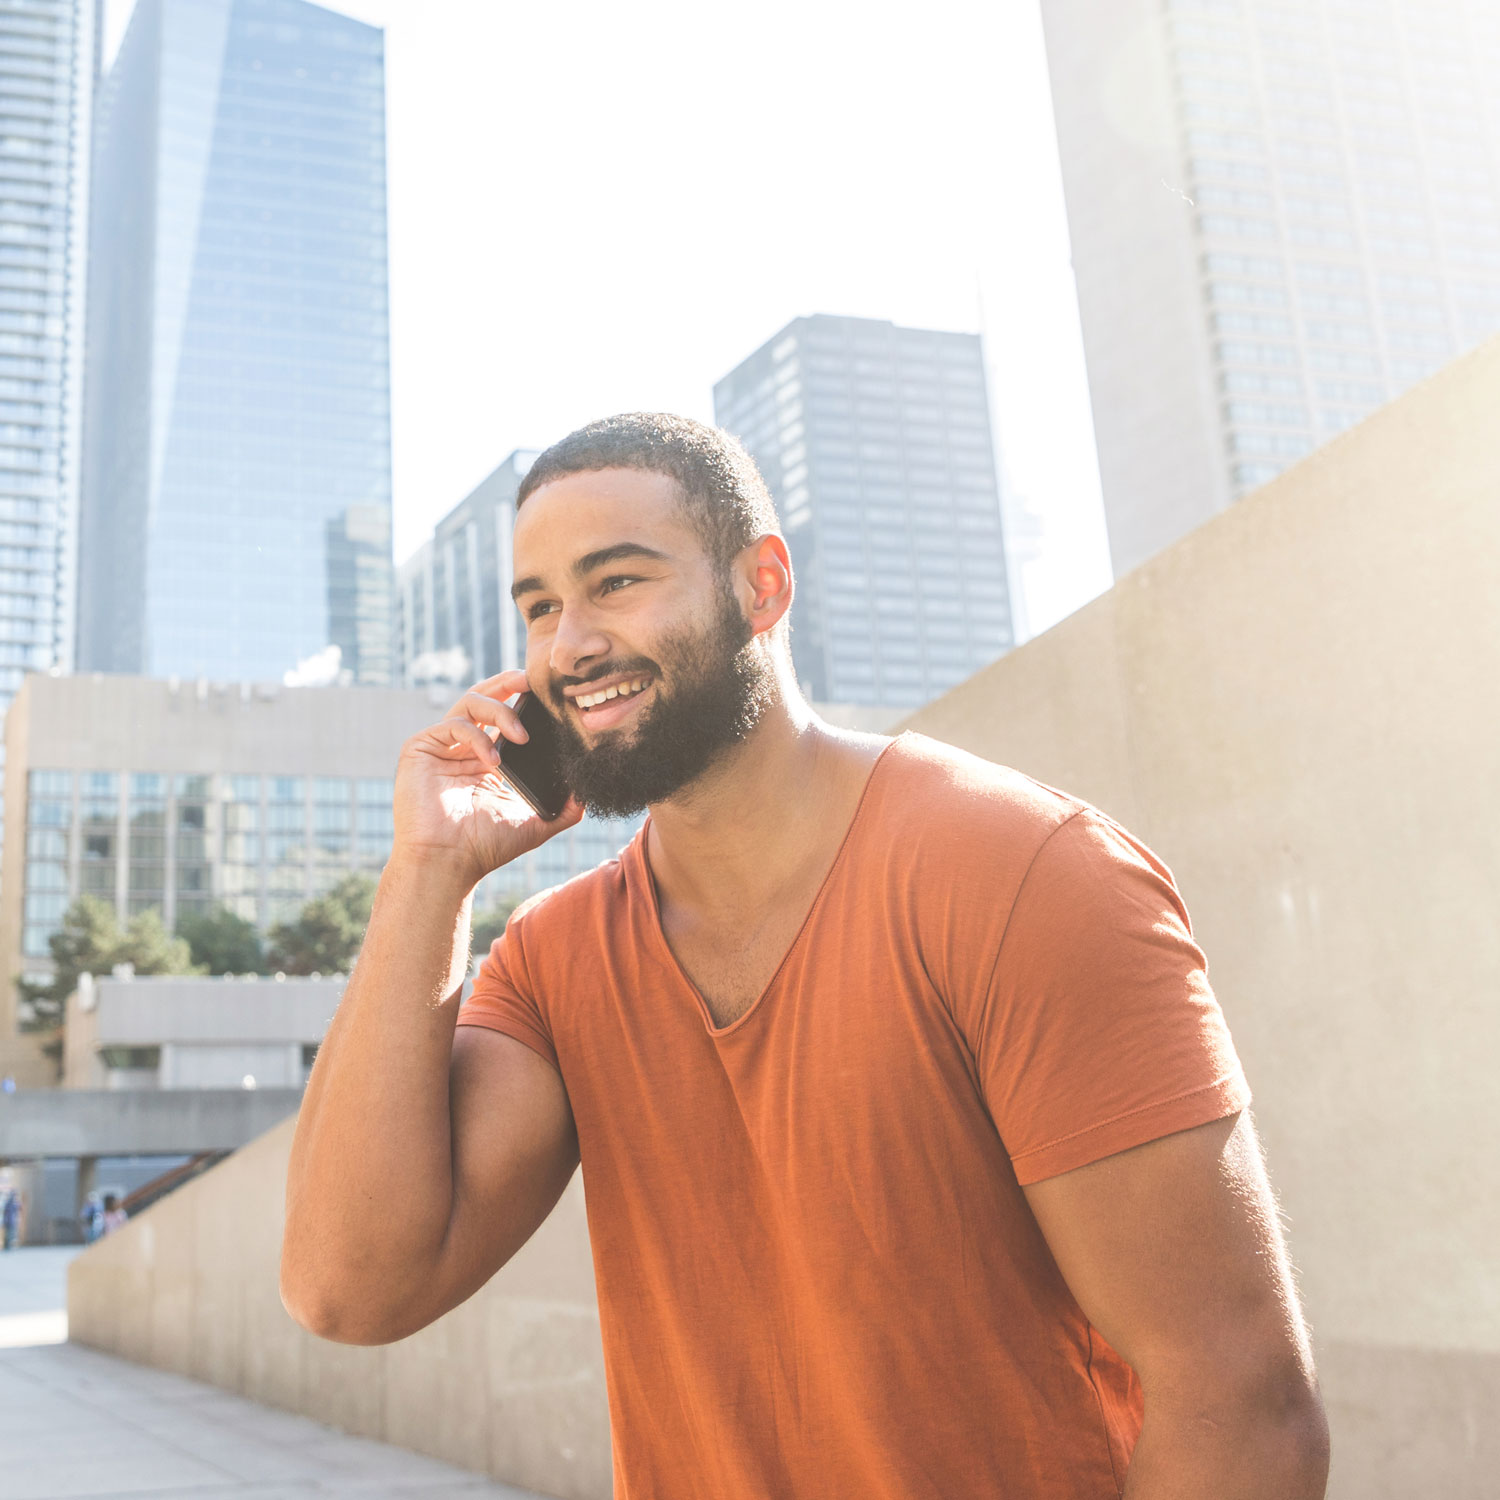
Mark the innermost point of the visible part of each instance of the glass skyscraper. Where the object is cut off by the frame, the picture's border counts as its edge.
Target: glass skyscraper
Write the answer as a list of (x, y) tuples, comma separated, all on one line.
[(455, 619), (875, 442), (46, 70), (236, 478), (1282, 216)]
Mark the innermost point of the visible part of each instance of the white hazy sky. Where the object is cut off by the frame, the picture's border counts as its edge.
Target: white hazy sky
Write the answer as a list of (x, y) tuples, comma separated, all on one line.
[(597, 207)]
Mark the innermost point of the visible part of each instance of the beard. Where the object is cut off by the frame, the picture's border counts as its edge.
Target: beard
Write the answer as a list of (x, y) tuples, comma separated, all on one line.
[(712, 687)]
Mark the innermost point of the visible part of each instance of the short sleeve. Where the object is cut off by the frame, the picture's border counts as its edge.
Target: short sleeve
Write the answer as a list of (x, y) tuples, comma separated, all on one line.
[(502, 998), (1100, 1031)]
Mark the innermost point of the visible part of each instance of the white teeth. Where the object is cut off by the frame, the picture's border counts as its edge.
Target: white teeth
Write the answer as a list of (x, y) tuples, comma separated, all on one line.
[(619, 690)]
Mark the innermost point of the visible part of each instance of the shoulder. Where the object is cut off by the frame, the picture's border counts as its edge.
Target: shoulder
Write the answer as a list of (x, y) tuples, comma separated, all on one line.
[(965, 815), (945, 797), (580, 905)]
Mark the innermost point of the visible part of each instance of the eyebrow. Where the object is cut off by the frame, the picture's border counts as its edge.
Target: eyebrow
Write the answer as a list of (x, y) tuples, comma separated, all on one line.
[(586, 564)]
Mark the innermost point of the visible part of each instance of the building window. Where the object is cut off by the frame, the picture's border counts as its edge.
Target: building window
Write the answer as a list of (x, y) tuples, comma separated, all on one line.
[(1258, 413), (46, 843), (1246, 476)]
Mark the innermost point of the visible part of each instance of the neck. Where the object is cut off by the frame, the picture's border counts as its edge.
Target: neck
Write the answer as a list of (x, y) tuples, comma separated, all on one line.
[(768, 807)]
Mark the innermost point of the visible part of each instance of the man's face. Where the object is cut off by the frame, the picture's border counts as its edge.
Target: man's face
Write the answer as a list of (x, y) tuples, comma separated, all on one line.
[(635, 642)]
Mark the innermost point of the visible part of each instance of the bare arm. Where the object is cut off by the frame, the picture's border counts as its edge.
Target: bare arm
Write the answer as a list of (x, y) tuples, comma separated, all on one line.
[(1175, 1254), (419, 1166)]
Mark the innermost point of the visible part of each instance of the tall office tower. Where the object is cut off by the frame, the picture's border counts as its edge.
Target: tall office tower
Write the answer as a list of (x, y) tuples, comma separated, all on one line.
[(237, 480), (455, 621), (875, 442), (46, 75), (1282, 215)]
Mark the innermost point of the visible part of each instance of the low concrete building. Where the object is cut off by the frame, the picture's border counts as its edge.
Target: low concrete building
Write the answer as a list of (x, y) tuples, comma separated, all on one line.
[(170, 1032), (182, 795)]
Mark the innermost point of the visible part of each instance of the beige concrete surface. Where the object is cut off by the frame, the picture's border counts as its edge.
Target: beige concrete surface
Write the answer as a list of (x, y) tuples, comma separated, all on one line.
[(1298, 707), (78, 1423), (209, 1030), (510, 1385)]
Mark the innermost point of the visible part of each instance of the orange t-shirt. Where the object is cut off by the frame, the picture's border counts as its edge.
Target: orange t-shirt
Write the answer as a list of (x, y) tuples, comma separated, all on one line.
[(818, 1276)]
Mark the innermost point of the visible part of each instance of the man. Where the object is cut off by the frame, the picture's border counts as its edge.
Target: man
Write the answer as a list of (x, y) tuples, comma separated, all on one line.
[(10, 1217), (915, 1145)]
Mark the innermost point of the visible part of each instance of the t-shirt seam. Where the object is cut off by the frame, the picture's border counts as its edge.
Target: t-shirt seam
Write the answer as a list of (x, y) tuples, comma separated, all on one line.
[(1093, 1380), (516, 926), (1015, 900), (1203, 1088), (517, 1031)]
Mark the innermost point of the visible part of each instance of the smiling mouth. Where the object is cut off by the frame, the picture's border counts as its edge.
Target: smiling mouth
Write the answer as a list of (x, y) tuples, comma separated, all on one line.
[(587, 703)]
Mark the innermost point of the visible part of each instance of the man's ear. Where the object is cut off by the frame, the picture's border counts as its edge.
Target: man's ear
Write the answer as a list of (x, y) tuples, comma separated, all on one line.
[(765, 568)]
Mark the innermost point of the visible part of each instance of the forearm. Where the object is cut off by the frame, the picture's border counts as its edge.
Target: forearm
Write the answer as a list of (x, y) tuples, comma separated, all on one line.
[(369, 1184), (1246, 1450)]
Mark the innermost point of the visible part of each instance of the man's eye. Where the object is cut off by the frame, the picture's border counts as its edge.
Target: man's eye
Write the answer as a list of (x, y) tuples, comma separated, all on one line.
[(545, 607), (614, 585)]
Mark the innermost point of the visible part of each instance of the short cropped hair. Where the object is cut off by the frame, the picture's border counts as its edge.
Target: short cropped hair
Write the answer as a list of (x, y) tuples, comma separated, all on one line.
[(723, 493)]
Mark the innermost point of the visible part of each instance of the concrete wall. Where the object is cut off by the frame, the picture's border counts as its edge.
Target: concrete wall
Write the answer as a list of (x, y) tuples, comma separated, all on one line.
[(511, 1384), (137, 1122), (1298, 707), (212, 1032)]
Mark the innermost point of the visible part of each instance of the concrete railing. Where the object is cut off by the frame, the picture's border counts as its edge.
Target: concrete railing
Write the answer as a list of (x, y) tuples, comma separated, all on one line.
[(137, 1122), (511, 1384)]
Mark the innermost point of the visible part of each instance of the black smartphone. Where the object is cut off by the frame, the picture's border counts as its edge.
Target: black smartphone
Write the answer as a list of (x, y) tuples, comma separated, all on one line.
[(535, 768)]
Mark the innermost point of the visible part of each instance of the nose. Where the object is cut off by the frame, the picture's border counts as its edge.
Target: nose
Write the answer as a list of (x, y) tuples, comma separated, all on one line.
[(577, 643)]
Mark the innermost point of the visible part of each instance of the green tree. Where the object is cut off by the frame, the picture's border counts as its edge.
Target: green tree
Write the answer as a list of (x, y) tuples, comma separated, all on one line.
[(489, 924), (222, 942), (91, 941), (149, 948), (325, 936)]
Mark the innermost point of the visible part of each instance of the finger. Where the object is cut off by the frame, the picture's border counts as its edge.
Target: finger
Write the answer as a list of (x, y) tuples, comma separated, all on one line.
[(572, 813), (499, 716), (464, 734), (501, 685)]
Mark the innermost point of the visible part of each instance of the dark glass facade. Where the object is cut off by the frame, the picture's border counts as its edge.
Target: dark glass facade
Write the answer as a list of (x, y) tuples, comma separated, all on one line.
[(236, 485), (875, 441), (455, 619)]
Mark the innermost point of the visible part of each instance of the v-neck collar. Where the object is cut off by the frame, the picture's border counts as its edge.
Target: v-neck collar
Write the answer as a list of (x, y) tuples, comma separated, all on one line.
[(641, 872)]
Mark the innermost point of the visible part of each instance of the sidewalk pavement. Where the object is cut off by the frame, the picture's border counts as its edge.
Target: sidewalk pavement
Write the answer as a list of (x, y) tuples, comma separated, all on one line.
[(79, 1425)]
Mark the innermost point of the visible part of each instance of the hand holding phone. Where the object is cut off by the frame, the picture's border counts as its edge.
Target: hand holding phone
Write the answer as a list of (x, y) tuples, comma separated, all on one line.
[(466, 792)]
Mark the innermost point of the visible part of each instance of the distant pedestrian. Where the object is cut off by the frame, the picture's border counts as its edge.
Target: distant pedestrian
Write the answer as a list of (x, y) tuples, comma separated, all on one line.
[(114, 1215), (91, 1218), (10, 1217)]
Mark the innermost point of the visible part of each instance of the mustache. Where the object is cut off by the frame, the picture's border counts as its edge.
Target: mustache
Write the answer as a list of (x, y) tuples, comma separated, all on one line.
[(638, 664)]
